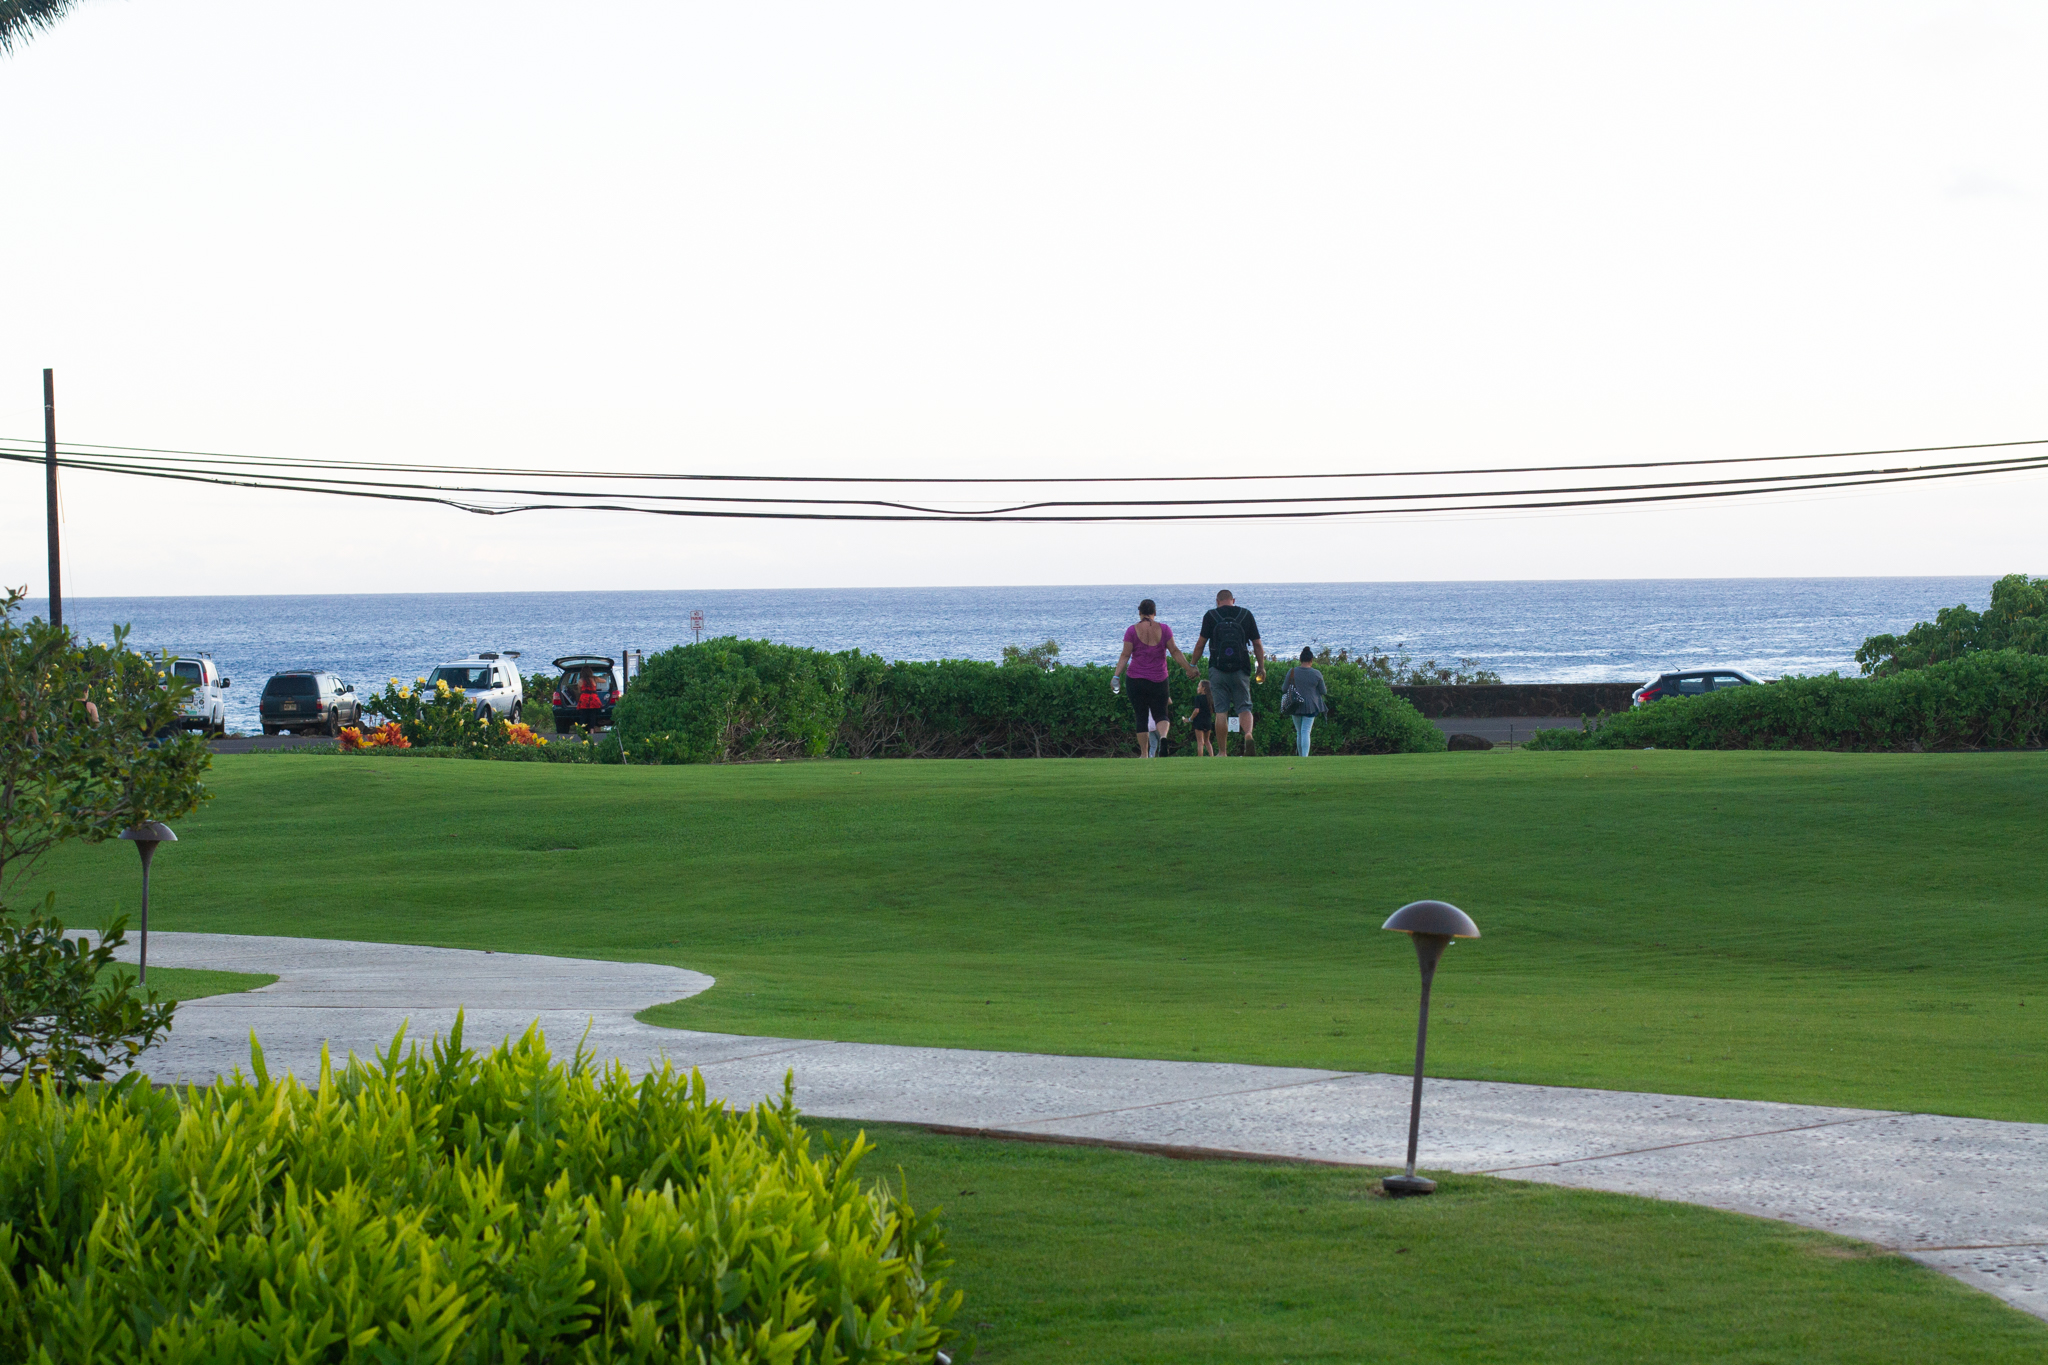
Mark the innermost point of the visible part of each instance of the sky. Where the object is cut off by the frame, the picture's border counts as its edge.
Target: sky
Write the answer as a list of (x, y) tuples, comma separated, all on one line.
[(1008, 239)]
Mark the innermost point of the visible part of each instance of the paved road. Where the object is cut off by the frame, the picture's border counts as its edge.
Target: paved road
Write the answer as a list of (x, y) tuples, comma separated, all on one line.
[(1966, 1196)]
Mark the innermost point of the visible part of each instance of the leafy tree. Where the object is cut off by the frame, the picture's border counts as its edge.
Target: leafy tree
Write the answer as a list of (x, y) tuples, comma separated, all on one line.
[(2016, 619), (19, 18), (1045, 658), (78, 760)]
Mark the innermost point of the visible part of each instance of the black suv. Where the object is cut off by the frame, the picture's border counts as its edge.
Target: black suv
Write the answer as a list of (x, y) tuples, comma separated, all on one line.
[(585, 693), (303, 702)]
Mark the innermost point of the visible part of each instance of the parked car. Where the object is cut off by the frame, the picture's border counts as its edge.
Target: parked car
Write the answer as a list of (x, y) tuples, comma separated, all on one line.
[(1694, 682), (308, 702), (207, 708), (588, 690), (490, 680)]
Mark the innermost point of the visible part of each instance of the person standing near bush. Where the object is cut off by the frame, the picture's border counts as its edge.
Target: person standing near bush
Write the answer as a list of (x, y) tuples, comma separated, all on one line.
[(1234, 632), (1304, 695), (1146, 645), (1203, 719)]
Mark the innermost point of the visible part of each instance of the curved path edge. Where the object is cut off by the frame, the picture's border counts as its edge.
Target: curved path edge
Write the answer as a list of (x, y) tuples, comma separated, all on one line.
[(1966, 1196)]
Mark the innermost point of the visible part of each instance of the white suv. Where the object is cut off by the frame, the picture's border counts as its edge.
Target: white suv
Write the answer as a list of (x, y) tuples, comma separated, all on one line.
[(207, 708), (491, 681)]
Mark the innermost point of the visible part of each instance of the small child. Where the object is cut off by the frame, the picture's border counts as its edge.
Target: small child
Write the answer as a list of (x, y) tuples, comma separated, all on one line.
[(1204, 720)]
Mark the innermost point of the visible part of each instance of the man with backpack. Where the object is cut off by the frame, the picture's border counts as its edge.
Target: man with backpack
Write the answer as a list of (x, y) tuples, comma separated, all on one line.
[(1231, 634)]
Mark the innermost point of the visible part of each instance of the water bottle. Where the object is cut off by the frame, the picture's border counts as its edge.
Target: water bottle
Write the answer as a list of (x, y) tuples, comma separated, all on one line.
[(1116, 683)]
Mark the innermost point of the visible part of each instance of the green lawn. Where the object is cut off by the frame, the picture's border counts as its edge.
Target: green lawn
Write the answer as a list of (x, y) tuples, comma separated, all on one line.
[(1082, 1254), (192, 983), (1843, 929)]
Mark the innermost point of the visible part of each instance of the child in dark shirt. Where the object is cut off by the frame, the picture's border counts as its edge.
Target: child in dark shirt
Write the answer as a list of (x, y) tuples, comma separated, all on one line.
[(1203, 718)]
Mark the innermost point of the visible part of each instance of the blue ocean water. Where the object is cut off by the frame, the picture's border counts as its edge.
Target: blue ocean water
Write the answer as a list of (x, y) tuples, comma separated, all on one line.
[(1573, 631)]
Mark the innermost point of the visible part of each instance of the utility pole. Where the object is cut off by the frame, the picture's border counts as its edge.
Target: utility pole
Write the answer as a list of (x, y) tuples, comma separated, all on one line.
[(50, 484)]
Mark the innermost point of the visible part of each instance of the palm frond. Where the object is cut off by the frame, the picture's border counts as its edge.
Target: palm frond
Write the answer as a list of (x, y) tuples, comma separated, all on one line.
[(19, 18)]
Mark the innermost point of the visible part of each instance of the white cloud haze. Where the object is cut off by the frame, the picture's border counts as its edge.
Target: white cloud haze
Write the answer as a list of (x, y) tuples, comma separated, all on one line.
[(1002, 239)]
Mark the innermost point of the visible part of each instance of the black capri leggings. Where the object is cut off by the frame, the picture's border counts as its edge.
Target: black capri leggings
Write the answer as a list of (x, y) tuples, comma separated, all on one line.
[(1149, 702)]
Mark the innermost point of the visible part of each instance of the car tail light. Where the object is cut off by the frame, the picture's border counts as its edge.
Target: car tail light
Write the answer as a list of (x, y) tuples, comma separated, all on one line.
[(318, 707), (560, 700)]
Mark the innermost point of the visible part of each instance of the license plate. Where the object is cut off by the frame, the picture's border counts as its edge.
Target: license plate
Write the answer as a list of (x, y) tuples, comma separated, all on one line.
[(287, 706)]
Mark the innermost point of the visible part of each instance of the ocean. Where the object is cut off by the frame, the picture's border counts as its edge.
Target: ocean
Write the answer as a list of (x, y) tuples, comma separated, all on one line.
[(1572, 631)]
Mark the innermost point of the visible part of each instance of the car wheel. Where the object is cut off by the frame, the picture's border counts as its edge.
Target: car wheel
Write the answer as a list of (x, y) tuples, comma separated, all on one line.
[(334, 724)]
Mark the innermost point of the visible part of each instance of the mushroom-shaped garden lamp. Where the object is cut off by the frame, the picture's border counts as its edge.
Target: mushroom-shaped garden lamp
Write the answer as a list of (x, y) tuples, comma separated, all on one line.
[(1432, 924)]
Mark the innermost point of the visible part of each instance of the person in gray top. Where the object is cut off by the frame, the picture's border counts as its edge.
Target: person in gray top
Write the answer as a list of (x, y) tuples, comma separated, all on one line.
[(1304, 696)]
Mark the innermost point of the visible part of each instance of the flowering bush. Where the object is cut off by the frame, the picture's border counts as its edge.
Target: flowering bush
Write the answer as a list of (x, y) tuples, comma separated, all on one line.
[(389, 735), (441, 715), (522, 733)]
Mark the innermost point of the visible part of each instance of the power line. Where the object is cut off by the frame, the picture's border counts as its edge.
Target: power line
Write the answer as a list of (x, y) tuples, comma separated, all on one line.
[(259, 461), (1451, 502), (1753, 483)]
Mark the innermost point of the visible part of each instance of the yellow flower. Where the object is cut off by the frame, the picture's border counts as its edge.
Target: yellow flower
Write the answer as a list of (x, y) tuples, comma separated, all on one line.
[(394, 682)]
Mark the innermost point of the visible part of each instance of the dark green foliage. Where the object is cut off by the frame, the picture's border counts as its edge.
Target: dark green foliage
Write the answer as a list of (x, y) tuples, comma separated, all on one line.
[(729, 699), (67, 1013), (1044, 658), (76, 757), (1995, 700), (450, 1208), (2016, 619), (77, 762)]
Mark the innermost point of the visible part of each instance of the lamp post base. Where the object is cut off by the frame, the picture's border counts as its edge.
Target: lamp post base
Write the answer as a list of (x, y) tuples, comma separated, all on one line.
[(1401, 1186)]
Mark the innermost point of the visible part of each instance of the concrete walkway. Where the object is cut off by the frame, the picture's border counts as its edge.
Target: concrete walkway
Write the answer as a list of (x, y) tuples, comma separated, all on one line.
[(1966, 1196)]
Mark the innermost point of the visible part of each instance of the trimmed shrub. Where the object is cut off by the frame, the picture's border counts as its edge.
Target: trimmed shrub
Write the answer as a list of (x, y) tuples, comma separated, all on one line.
[(450, 1208), (730, 698), (963, 708), (1996, 700)]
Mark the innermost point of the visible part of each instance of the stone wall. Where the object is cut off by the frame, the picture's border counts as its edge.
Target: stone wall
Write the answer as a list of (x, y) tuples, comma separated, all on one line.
[(1520, 699)]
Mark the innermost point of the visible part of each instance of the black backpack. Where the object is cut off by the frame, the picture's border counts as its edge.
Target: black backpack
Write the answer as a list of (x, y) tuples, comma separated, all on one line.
[(1230, 654)]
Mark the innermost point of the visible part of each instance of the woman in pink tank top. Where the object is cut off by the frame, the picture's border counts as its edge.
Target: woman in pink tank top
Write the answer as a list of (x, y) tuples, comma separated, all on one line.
[(1146, 646)]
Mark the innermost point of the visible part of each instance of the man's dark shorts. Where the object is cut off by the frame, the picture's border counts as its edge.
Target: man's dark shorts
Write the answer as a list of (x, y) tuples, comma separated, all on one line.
[(1231, 692)]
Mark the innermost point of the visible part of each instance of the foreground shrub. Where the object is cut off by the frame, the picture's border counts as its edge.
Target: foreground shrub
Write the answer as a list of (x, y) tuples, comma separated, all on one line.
[(78, 761), (68, 1014), (1982, 701), (450, 1208)]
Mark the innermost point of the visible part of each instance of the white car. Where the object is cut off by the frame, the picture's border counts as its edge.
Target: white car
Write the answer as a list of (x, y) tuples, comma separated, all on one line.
[(207, 708), (491, 681)]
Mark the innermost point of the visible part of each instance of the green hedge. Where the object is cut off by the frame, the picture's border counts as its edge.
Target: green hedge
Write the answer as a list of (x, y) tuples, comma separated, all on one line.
[(450, 1208), (730, 699), (1995, 700)]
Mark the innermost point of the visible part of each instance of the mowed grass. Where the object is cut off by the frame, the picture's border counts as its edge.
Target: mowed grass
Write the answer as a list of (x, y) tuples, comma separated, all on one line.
[(1082, 1254), (189, 983), (1859, 930)]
